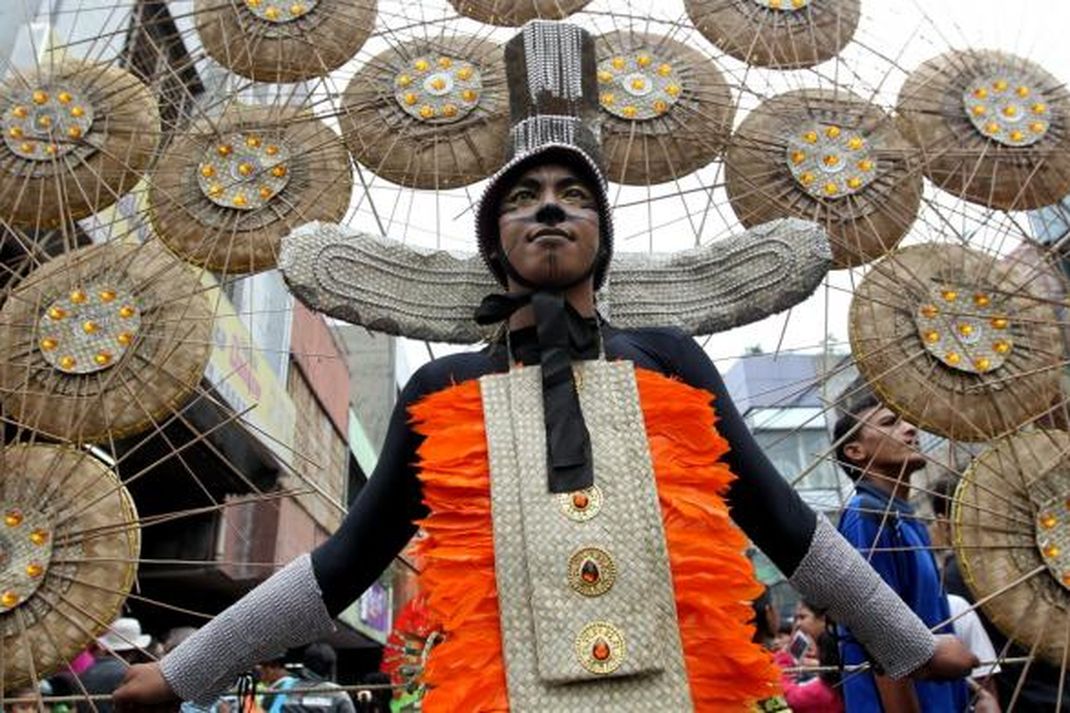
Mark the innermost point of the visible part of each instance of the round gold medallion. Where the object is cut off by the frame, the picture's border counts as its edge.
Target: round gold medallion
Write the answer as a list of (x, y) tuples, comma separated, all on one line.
[(600, 648), (581, 505), (591, 571)]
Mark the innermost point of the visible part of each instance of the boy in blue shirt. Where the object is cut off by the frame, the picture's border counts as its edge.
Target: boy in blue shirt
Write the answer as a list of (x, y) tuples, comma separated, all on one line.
[(879, 452)]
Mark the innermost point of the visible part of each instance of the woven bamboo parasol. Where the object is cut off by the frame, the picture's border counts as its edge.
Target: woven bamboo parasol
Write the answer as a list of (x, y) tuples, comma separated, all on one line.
[(76, 137), (514, 13), (69, 543), (430, 114), (284, 40), (830, 157), (1011, 530), (103, 342), (667, 109), (993, 128), (224, 194), (783, 34), (956, 341)]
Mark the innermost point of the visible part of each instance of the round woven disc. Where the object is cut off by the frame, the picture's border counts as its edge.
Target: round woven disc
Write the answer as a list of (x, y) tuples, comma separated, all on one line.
[(784, 38), (64, 512), (1014, 153), (909, 341), (1009, 508), (383, 134), (775, 168), (514, 13), (681, 104), (62, 167), (152, 329), (316, 184), (290, 48)]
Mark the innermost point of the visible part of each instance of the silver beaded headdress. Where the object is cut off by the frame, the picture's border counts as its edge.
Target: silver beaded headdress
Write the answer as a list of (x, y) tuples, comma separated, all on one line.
[(553, 103)]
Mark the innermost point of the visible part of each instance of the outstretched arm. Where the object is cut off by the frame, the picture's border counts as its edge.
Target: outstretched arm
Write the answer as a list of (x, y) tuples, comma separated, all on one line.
[(818, 561), (298, 603)]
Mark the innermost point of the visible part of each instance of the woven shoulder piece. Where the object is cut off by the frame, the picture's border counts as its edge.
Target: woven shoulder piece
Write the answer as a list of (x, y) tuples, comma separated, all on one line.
[(422, 294), (834, 576), (285, 611)]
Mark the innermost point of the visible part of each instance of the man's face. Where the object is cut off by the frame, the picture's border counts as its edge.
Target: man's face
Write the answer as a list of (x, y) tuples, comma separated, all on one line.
[(885, 444), (548, 225)]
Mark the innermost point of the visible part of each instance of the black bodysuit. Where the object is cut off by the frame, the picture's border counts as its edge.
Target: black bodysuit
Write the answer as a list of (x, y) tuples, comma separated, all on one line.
[(380, 521)]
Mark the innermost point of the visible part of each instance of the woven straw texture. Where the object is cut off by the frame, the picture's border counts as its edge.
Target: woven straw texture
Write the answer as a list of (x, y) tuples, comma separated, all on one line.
[(782, 39), (411, 152), (994, 519), (322, 40), (959, 159), (514, 13), (96, 544), (390, 287), (690, 134), (157, 373), (541, 615), (107, 160), (230, 240), (888, 345), (761, 187)]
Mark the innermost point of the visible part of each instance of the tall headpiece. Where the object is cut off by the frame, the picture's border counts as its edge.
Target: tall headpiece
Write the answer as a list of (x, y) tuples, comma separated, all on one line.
[(553, 103)]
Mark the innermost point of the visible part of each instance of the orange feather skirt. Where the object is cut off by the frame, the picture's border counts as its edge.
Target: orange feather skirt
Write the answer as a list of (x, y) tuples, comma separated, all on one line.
[(712, 579)]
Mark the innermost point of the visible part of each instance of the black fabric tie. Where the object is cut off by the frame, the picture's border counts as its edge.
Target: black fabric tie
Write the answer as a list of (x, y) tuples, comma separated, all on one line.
[(562, 333)]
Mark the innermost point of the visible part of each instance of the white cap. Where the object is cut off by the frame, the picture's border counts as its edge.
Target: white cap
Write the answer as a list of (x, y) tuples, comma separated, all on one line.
[(124, 635)]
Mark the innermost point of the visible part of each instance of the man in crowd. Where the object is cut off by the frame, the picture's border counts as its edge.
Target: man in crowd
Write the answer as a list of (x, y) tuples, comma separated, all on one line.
[(879, 452)]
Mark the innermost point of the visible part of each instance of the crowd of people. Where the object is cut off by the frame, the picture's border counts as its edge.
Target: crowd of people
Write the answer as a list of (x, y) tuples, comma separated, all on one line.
[(302, 683)]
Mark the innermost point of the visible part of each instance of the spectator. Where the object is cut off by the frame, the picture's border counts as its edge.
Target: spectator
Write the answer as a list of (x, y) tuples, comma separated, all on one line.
[(783, 634), (820, 693), (377, 700), (123, 644), (766, 620), (277, 680), (879, 452), (317, 673)]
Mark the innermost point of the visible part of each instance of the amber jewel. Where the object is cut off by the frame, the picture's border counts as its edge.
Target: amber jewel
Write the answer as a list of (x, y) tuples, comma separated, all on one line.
[(580, 501), (589, 572), (600, 650)]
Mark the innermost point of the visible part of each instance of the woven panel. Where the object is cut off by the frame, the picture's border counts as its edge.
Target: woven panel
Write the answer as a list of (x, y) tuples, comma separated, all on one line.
[(156, 374), (995, 514), (785, 38), (96, 542), (889, 347), (236, 241), (541, 614), (107, 160), (320, 41), (394, 288), (687, 135), (514, 13), (417, 153), (959, 159), (862, 226)]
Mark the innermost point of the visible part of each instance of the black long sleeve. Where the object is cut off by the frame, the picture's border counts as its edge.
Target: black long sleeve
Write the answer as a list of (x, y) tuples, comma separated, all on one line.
[(380, 521)]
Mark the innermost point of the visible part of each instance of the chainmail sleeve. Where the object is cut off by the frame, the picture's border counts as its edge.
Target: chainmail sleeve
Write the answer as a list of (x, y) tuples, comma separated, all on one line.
[(834, 575), (286, 610)]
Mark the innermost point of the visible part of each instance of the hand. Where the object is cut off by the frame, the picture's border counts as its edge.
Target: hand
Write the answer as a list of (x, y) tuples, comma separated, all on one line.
[(950, 661), (986, 703), (144, 688)]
